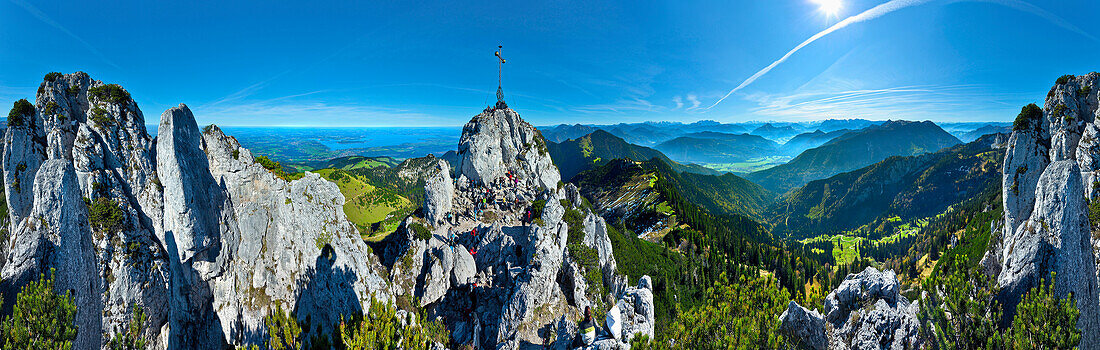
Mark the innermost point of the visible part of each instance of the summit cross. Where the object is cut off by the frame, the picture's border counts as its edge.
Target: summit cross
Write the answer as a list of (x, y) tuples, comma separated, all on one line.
[(500, 73)]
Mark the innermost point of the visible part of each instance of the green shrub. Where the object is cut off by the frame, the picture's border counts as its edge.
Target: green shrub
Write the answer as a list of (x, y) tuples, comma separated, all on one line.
[(132, 337), (283, 330), (575, 219), (51, 107), (105, 215), (41, 318), (1060, 111), (969, 313), (101, 117), (52, 76), (420, 232), (19, 111), (112, 93), (584, 255), (380, 329), (323, 239), (537, 207), (739, 314), (1094, 212), (1029, 118), (1064, 79), (277, 169), (1044, 321), (1083, 91)]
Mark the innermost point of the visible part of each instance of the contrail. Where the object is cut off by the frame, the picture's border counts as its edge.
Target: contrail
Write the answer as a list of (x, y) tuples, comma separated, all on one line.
[(44, 18), (894, 5)]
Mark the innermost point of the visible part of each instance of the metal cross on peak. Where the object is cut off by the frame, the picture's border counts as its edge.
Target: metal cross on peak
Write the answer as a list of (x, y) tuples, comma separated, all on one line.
[(500, 73)]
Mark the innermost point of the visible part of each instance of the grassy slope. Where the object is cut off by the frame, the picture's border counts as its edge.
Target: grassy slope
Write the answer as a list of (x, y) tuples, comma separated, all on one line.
[(364, 204)]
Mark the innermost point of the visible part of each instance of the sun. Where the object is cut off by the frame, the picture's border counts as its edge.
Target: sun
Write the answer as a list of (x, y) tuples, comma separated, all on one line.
[(829, 7)]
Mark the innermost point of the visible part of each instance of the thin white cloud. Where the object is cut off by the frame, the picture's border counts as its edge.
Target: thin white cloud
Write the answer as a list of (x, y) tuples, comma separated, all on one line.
[(894, 5), (694, 101), (678, 101), (46, 19), (937, 102)]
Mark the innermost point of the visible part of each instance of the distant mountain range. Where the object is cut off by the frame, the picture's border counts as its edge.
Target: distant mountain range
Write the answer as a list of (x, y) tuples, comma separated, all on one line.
[(855, 150), (778, 133), (906, 187), (985, 130), (716, 147), (805, 141), (576, 155)]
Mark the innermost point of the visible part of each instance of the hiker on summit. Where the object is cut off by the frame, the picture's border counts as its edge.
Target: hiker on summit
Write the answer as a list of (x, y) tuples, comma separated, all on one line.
[(586, 330)]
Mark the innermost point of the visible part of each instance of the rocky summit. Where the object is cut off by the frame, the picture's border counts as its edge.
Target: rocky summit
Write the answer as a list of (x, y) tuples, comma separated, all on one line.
[(507, 255), (188, 227)]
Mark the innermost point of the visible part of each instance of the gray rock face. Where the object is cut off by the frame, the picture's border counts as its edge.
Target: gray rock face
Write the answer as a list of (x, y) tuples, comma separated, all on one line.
[(438, 192), (1055, 238), (498, 141), (101, 137), (1049, 179), (207, 243), (295, 247), (805, 327), (56, 235), (1025, 159), (199, 229)]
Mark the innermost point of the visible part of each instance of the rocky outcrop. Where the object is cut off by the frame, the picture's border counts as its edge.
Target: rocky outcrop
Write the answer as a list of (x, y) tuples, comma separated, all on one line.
[(891, 318), (636, 307), (55, 240), (296, 247), (186, 227), (207, 242), (514, 262), (199, 229), (438, 192), (499, 141), (1049, 180), (806, 328), (865, 312)]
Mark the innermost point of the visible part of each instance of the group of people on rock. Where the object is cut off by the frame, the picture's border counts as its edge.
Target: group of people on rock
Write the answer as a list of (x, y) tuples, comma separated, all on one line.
[(504, 193)]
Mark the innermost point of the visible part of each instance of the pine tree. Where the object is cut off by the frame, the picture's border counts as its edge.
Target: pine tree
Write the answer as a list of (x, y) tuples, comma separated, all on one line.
[(961, 307), (41, 318), (1045, 321)]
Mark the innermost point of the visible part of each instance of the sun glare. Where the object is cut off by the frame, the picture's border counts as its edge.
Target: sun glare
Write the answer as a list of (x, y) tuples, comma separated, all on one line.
[(829, 7)]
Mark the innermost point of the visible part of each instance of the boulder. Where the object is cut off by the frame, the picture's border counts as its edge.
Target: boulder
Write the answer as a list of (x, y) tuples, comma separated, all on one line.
[(806, 328)]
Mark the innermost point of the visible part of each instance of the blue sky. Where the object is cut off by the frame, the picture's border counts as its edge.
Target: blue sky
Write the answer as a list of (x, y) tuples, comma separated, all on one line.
[(382, 63)]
